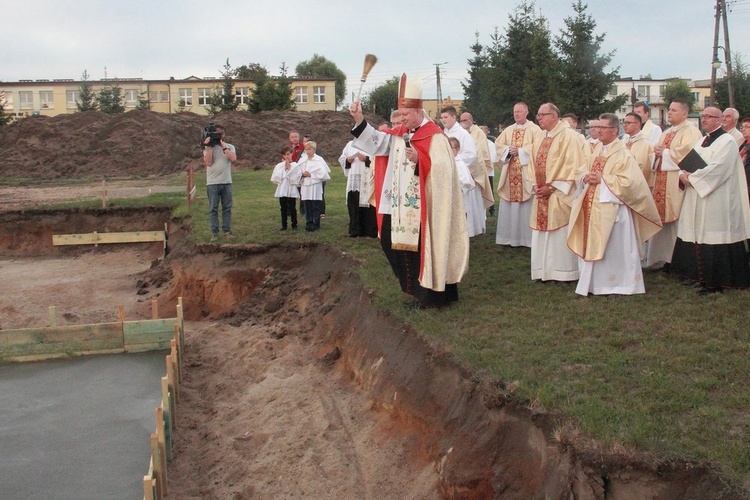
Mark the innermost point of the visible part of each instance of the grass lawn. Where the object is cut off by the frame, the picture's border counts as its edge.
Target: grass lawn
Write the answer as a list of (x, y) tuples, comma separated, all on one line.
[(666, 372)]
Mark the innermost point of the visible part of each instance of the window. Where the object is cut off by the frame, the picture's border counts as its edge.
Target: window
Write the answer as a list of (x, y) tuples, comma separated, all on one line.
[(71, 97), (204, 97), (164, 96), (153, 96), (644, 92), (131, 98), (662, 89), (696, 97), (300, 95), (706, 101), (613, 90), (46, 100), (319, 94), (186, 95), (26, 99), (241, 95)]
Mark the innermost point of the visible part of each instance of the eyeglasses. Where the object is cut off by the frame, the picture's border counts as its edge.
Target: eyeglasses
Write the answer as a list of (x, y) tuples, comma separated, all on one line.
[(711, 116), (600, 127), (626, 122), (539, 115)]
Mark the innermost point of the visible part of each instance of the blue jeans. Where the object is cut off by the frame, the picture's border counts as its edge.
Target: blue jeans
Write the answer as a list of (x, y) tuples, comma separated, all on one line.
[(220, 193)]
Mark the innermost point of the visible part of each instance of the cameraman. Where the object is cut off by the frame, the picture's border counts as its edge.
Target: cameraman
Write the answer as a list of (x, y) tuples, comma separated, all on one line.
[(218, 159)]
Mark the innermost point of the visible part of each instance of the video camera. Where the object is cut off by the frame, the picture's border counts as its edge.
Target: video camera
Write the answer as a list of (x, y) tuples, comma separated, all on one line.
[(212, 132)]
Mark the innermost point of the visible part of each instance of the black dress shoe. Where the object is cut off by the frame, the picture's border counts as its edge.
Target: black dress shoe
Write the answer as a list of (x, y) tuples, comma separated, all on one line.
[(709, 291)]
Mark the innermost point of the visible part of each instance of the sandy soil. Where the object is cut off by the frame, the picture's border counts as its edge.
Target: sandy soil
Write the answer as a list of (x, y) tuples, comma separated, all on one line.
[(295, 385)]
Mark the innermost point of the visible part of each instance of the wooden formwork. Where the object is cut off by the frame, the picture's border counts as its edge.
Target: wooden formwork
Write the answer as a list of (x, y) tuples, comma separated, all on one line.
[(155, 481)]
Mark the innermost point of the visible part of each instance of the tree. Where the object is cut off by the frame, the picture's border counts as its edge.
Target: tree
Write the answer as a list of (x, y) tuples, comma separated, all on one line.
[(272, 94), (254, 72), (741, 85), (110, 100), (4, 119), (223, 97), (518, 65), (320, 67), (584, 84), (382, 99), (678, 88), (86, 95), (143, 102)]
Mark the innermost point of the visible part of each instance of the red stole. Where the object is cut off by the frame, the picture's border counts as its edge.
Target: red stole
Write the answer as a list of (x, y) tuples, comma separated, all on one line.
[(540, 171), (597, 167), (660, 179)]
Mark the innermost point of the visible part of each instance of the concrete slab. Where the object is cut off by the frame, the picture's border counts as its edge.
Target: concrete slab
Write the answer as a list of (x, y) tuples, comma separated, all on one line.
[(78, 428)]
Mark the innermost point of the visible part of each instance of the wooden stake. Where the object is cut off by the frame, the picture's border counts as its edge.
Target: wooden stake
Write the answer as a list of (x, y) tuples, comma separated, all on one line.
[(120, 314), (52, 316), (154, 309), (104, 193)]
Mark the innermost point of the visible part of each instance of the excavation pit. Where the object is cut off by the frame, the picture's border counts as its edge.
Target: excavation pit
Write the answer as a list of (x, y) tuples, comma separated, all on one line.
[(296, 385)]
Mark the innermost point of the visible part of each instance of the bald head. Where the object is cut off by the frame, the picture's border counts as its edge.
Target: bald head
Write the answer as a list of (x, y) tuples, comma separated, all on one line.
[(467, 120)]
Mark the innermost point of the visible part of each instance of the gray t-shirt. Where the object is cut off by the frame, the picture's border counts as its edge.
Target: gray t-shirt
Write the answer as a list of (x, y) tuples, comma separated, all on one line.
[(220, 171)]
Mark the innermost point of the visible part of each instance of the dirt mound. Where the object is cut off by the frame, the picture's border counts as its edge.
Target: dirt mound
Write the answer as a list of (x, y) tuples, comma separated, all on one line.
[(145, 143)]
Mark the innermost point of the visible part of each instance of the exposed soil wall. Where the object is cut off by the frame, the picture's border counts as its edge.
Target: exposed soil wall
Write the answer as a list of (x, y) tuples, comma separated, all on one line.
[(477, 441)]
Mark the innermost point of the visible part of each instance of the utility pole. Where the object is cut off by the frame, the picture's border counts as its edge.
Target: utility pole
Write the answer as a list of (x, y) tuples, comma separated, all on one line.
[(439, 88), (721, 15), (728, 54), (715, 60)]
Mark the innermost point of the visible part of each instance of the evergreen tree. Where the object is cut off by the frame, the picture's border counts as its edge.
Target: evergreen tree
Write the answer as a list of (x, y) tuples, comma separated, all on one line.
[(584, 84), (86, 95), (143, 102), (110, 100), (678, 88), (4, 119), (223, 98), (320, 67), (518, 65), (382, 99)]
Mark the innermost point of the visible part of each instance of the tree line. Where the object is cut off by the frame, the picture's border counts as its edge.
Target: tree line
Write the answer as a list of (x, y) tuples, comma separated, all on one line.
[(269, 93)]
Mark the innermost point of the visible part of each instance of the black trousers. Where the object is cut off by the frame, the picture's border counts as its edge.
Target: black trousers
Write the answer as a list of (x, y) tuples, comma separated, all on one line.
[(362, 220), (713, 266), (406, 267), (288, 209)]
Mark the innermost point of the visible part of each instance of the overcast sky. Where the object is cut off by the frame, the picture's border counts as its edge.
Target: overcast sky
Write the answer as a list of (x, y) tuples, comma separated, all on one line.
[(162, 39)]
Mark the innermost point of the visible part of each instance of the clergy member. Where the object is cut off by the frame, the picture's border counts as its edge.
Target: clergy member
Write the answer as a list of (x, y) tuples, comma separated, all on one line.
[(483, 157), (360, 181), (424, 226), (613, 214), (650, 131), (555, 157), (715, 218), (729, 119), (516, 178), (674, 144), (470, 156), (639, 146)]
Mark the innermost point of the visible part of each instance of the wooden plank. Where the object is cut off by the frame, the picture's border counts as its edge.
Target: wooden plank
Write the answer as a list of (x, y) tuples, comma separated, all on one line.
[(151, 331), (149, 488), (160, 467), (99, 238), (61, 340), (179, 352), (45, 357), (173, 386), (154, 309), (52, 316)]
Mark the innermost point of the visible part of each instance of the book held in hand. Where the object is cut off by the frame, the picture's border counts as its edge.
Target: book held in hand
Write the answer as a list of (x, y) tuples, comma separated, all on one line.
[(692, 162)]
